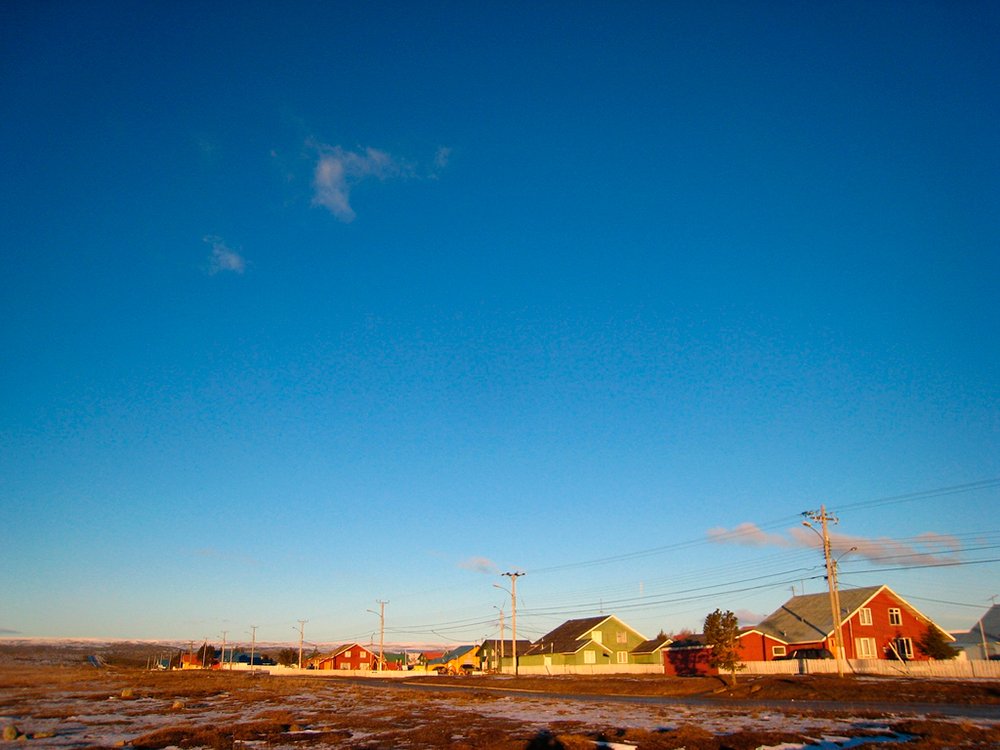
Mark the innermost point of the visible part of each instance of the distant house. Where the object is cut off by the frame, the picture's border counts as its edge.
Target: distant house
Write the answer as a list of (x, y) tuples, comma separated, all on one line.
[(459, 659), (651, 651), (394, 660), (982, 641), (493, 654), (350, 656), (602, 641), (877, 623)]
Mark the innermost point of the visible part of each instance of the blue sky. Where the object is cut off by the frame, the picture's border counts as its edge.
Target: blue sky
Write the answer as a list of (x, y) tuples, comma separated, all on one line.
[(312, 305)]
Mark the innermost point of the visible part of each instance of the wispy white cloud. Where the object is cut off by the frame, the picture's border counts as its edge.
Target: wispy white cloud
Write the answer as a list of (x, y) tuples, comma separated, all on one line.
[(748, 617), (223, 257), (338, 171), (441, 159), (927, 549), (480, 565), (747, 534)]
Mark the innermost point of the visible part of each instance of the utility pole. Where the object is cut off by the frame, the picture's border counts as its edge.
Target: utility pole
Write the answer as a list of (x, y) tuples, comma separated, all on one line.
[(222, 665), (513, 616), (381, 633), (831, 579), (253, 644), (302, 635)]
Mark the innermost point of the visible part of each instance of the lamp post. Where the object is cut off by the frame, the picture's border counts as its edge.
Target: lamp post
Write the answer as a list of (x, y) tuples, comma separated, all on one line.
[(500, 663), (513, 614), (381, 631), (831, 579)]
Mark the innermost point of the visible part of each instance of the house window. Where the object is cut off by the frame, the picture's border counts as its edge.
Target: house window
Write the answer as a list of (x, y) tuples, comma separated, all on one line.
[(865, 616), (895, 616), (347, 654), (865, 648), (598, 636), (590, 657), (344, 665), (621, 637), (777, 650), (905, 647), (622, 657)]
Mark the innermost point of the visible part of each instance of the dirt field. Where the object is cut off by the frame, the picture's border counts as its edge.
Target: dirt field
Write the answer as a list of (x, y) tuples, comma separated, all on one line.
[(74, 706)]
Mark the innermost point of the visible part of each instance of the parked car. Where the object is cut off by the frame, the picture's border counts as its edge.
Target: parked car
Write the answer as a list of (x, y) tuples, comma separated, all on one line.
[(807, 653)]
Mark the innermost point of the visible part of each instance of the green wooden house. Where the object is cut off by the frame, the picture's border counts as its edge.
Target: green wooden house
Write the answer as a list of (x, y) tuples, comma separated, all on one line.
[(590, 641)]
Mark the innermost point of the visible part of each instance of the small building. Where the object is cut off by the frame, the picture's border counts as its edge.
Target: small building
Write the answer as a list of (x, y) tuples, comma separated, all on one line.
[(602, 641), (495, 654), (982, 640), (688, 657), (460, 659), (350, 657), (651, 651)]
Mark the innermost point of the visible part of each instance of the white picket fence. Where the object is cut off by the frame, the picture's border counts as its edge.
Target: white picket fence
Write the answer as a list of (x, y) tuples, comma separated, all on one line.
[(587, 669), (958, 668)]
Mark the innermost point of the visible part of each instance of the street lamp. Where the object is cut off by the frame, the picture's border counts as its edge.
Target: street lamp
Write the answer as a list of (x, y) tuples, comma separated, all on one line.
[(381, 631), (513, 614), (500, 663)]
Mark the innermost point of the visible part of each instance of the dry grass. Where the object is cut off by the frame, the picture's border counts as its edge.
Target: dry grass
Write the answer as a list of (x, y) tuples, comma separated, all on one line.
[(229, 710)]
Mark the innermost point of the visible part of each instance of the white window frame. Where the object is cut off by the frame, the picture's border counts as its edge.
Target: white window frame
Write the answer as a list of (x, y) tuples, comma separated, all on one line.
[(895, 616), (589, 657), (904, 646), (597, 636), (778, 651), (621, 636), (622, 657), (865, 648), (865, 616)]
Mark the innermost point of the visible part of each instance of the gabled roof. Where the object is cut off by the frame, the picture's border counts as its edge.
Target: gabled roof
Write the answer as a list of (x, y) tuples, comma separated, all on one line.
[(572, 635), (346, 647), (807, 618), (652, 645), (756, 629), (991, 624)]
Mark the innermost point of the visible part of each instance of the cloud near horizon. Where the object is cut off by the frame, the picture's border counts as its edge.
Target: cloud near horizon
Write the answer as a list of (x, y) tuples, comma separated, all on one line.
[(223, 257), (927, 549), (480, 565)]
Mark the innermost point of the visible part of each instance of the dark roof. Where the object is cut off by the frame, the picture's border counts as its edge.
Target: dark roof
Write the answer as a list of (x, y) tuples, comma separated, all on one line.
[(693, 640), (567, 638), (650, 646), (494, 643)]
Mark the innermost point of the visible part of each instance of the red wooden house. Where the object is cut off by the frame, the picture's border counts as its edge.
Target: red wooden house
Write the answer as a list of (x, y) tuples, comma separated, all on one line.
[(877, 623), (351, 656)]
